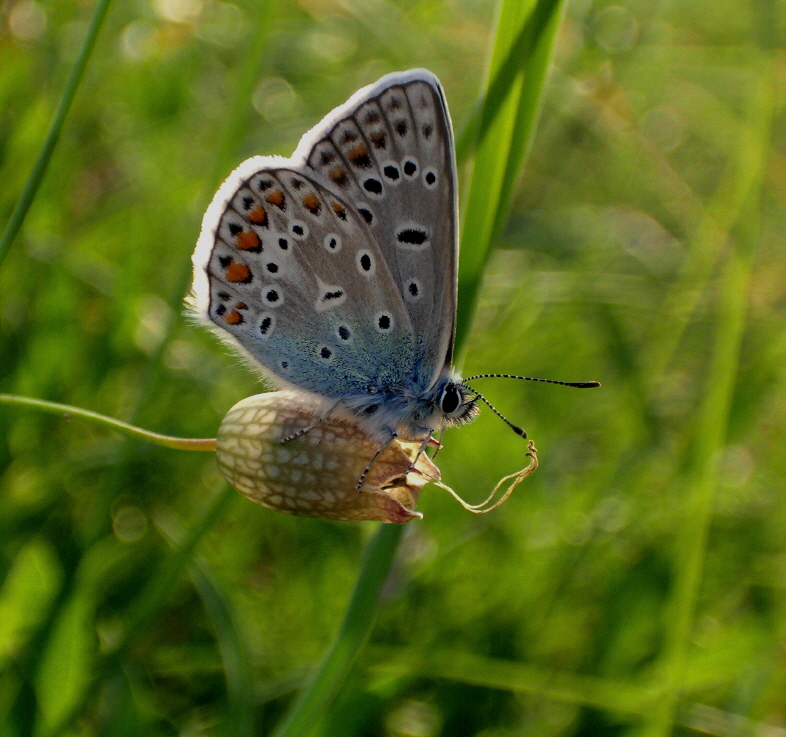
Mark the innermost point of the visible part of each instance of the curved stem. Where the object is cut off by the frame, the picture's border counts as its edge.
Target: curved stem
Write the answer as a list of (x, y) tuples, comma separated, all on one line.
[(166, 441)]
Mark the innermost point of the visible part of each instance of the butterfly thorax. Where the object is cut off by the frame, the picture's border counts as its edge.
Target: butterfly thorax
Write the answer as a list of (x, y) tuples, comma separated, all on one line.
[(410, 415)]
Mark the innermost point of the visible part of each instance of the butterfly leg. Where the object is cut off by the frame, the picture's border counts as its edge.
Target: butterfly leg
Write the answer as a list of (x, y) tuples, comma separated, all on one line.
[(382, 447), (428, 440), (311, 426)]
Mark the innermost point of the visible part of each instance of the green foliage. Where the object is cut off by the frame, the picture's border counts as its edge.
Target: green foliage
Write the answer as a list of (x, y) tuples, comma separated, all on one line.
[(633, 585)]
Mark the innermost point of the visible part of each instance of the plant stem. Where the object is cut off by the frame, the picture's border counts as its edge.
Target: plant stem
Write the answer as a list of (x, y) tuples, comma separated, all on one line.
[(166, 441)]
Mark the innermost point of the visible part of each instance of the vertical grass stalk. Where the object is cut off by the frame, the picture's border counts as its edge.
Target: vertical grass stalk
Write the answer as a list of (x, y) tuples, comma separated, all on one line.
[(42, 162), (711, 429)]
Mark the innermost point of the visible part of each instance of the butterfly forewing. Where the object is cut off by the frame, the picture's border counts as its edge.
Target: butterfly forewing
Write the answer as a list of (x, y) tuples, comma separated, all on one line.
[(291, 271), (390, 152)]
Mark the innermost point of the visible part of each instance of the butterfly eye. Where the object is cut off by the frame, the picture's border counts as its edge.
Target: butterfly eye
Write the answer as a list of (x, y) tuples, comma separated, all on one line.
[(450, 400)]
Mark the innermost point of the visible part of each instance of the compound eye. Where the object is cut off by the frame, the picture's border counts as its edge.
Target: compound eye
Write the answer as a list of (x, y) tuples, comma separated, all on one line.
[(450, 400)]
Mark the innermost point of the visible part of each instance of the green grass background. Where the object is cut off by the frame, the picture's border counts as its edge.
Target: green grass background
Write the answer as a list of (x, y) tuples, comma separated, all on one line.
[(633, 586)]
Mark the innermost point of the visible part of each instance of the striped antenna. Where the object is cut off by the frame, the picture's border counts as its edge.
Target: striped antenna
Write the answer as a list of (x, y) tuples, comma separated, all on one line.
[(574, 384), (516, 429)]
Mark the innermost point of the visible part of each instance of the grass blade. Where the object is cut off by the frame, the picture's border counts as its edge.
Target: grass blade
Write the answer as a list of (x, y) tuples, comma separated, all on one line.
[(42, 163), (713, 419), (522, 51)]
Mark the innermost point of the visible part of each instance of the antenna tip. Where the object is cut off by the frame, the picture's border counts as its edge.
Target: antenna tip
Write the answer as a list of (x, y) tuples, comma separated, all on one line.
[(519, 431), (586, 384)]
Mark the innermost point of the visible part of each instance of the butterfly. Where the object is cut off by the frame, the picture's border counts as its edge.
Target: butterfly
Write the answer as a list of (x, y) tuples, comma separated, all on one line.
[(334, 271)]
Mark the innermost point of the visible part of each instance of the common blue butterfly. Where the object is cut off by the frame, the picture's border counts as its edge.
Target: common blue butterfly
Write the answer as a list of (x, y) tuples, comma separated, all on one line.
[(335, 271)]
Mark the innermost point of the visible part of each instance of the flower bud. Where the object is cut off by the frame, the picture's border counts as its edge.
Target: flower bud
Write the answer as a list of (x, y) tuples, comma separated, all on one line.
[(316, 473)]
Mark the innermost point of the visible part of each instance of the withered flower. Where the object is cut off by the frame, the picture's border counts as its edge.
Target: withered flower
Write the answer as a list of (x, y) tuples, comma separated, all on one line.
[(316, 474)]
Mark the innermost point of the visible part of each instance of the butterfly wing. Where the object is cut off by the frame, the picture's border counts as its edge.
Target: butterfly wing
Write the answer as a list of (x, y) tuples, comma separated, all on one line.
[(389, 151), (291, 273)]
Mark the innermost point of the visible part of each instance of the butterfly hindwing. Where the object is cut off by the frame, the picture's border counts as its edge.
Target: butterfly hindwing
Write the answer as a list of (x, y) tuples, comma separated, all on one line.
[(389, 151), (291, 271)]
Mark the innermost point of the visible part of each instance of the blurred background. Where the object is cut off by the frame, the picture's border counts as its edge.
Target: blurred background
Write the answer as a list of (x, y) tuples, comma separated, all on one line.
[(644, 249)]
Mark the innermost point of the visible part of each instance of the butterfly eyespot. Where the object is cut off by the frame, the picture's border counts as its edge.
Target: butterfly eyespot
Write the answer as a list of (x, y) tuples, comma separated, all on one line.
[(272, 297), (391, 172), (272, 268), (430, 178), (221, 309), (373, 187), (330, 297), (325, 353), (371, 117), (267, 325), (348, 136), (412, 237), (247, 202), (326, 157), (235, 228), (223, 295), (264, 184), (296, 183), (298, 229), (365, 263), (284, 365), (367, 215), (332, 243), (383, 322), (401, 127), (427, 130), (283, 244), (344, 333), (410, 167), (412, 291)]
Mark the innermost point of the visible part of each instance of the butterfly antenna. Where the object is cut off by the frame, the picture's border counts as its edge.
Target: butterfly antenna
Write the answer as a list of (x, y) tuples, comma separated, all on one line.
[(516, 429), (574, 384)]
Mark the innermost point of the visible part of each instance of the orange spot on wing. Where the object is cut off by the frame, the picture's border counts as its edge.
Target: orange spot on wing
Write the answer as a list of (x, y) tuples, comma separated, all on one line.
[(236, 272), (276, 197), (338, 175), (378, 138), (359, 155), (241, 306), (233, 318), (312, 204), (258, 215), (248, 240)]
